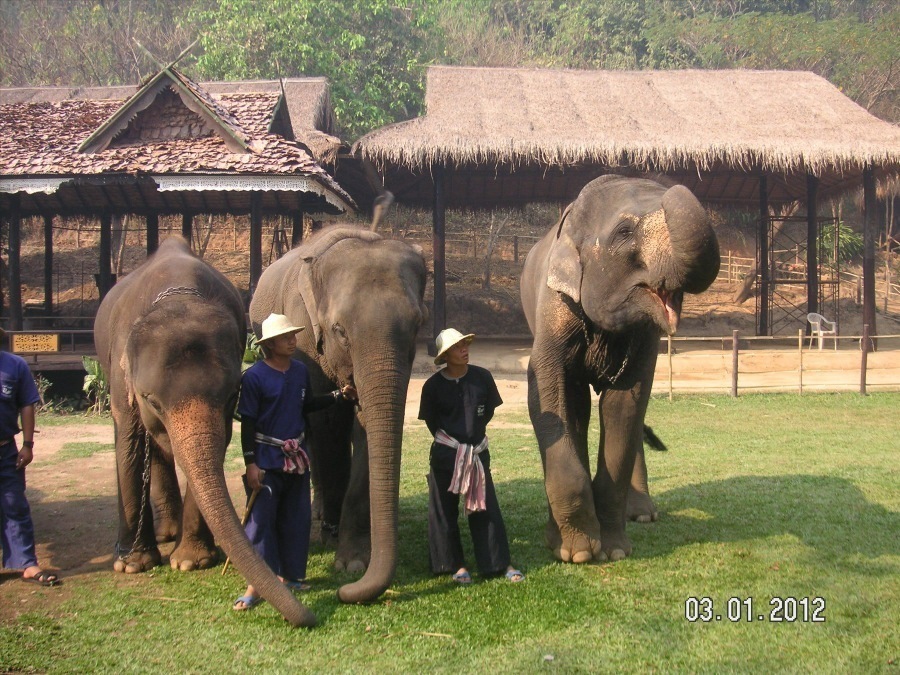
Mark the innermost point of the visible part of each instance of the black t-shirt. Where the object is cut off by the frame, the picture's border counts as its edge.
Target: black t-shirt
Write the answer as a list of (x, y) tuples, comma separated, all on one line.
[(461, 407)]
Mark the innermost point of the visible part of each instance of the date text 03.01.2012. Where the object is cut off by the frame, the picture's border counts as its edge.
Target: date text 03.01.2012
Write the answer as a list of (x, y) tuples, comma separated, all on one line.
[(776, 610)]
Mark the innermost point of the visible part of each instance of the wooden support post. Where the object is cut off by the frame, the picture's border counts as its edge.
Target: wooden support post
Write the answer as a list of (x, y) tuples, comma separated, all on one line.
[(48, 265), (296, 228), (15, 264), (762, 264), (439, 241), (187, 228), (734, 363), (864, 361), (812, 244), (104, 278), (152, 233), (669, 351), (800, 355), (255, 240), (869, 231), (516, 248)]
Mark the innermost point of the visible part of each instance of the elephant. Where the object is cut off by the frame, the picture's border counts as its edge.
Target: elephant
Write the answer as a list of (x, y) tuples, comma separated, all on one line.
[(170, 337), (598, 291), (361, 298)]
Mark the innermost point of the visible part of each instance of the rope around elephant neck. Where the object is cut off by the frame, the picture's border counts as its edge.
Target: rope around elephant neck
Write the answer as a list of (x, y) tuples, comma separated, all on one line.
[(145, 491), (177, 290)]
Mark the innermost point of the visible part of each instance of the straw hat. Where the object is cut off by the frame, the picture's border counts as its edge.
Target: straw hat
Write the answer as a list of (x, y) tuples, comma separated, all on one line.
[(445, 341), (277, 324)]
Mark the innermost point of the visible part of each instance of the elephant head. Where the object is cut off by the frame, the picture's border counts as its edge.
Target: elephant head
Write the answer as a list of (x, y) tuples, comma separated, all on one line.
[(171, 336), (653, 247), (362, 295)]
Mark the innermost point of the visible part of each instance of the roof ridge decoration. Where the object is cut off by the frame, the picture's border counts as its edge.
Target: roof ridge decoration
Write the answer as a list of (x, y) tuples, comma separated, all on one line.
[(195, 99)]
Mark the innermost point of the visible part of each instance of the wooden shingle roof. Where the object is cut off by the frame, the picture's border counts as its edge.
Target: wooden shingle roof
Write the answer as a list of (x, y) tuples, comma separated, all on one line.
[(172, 128)]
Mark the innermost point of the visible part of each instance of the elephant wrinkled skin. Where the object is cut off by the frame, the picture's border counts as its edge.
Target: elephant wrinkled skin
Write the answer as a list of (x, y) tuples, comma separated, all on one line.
[(598, 291), (360, 298), (170, 336)]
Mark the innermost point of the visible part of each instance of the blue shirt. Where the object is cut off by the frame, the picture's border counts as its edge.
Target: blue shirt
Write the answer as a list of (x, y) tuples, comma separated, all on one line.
[(17, 390), (275, 400)]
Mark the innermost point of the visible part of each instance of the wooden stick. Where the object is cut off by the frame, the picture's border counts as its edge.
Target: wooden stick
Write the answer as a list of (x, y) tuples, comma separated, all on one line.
[(243, 522)]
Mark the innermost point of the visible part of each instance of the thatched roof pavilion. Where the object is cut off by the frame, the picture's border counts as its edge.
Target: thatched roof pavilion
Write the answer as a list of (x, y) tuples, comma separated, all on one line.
[(506, 136)]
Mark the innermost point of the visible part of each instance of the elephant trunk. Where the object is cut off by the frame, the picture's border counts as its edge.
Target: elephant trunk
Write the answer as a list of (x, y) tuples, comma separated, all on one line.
[(695, 249), (197, 433), (382, 387)]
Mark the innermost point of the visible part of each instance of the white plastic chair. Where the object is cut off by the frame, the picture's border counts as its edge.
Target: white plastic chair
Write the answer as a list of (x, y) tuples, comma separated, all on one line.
[(820, 328)]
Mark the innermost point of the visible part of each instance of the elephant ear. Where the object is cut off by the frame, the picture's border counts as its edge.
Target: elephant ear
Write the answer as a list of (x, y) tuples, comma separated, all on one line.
[(307, 292), (564, 269)]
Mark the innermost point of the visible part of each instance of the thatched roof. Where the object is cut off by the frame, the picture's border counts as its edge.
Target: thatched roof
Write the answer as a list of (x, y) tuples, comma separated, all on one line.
[(670, 121)]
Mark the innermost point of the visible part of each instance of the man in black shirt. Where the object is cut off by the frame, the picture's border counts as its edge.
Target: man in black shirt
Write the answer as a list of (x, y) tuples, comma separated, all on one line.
[(457, 404)]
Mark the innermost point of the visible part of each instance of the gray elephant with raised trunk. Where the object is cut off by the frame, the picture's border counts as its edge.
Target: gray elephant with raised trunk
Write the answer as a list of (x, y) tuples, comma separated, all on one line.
[(170, 336), (598, 292), (360, 297)]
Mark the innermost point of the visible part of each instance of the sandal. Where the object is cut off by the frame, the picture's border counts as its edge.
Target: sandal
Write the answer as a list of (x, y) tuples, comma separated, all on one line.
[(515, 576), (245, 602), (297, 585), (43, 578), (462, 578)]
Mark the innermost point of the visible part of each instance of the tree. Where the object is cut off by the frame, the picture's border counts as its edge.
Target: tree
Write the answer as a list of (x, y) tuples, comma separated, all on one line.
[(372, 51)]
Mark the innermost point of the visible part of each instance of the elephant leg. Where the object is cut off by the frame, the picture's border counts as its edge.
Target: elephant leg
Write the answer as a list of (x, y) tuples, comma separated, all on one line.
[(355, 534), (621, 435), (136, 549), (560, 416), (639, 506), (166, 498), (195, 548), (329, 444)]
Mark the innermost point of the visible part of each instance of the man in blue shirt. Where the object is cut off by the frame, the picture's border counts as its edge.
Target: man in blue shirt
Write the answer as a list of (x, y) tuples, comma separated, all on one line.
[(275, 397), (18, 395)]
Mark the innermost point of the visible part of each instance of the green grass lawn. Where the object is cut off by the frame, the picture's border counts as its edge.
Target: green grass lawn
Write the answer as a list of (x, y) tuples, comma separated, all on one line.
[(760, 497)]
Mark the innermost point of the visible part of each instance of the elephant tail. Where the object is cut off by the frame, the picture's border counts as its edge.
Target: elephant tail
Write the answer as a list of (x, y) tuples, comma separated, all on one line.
[(653, 440)]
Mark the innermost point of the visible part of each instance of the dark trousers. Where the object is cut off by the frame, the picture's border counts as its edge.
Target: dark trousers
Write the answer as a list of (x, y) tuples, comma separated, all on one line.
[(16, 528), (488, 531), (279, 524)]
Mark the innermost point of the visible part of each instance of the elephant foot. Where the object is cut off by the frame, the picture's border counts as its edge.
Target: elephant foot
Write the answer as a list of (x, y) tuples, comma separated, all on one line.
[(615, 547), (640, 508), (137, 561), (190, 556), (352, 556), (570, 544)]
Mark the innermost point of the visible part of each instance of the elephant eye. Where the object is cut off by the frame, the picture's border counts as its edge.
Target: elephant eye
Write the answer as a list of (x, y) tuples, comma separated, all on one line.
[(341, 335)]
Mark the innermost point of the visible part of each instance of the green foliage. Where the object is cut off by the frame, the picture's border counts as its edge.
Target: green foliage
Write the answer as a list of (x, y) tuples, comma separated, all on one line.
[(371, 51), (750, 508), (252, 352), (850, 244), (96, 385)]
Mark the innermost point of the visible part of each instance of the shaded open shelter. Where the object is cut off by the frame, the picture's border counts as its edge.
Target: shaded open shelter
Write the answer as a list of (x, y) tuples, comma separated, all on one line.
[(495, 137), (170, 146)]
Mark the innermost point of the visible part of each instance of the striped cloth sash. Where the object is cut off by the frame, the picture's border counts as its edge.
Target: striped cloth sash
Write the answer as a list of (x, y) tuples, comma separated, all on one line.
[(295, 458), (468, 471)]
